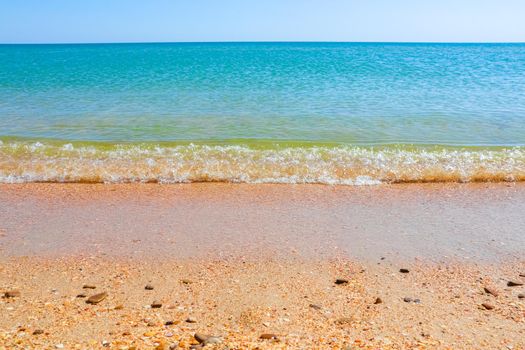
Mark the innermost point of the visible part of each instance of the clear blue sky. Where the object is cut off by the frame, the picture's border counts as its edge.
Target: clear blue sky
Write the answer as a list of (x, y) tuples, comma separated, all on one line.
[(43, 21)]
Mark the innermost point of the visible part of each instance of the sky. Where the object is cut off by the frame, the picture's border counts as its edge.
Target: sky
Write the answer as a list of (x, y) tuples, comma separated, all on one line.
[(79, 21)]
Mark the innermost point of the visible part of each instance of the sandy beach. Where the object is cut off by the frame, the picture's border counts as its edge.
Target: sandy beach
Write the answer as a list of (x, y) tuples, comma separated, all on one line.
[(257, 266), (237, 175)]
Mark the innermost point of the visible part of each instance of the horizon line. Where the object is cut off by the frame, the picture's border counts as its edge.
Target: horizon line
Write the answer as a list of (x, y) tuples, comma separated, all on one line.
[(260, 41)]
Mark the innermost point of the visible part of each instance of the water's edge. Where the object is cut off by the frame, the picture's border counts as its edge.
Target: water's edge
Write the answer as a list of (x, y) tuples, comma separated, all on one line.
[(238, 161)]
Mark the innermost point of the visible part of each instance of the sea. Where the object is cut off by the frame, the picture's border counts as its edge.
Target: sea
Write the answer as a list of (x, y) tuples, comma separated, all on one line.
[(325, 113)]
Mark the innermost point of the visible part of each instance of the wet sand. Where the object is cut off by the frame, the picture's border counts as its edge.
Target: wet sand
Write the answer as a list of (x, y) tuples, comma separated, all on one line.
[(245, 260), (436, 222)]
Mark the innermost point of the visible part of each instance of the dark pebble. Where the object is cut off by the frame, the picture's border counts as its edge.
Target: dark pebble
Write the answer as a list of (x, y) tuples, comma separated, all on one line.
[(407, 299), (156, 305), (343, 320), (514, 284), (201, 338), (341, 281), (268, 336), (378, 301), (404, 270), (89, 286), (148, 287), (38, 331), (316, 307), (12, 294), (491, 291), (97, 298), (487, 306)]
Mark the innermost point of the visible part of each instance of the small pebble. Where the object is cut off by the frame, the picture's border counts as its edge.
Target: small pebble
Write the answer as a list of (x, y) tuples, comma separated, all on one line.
[(268, 336), (201, 338), (404, 270), (81, 295), (316, 307), (59, 346), (97, 298), (514, 284), (169, 323), (341, 281), (156, 305), (343, 320), (407, 299), (487, 306), (191, 320), (148, 287), (491, 291), (521, 296), (12, 294), (38, 331), (378, 301), (89, 286)]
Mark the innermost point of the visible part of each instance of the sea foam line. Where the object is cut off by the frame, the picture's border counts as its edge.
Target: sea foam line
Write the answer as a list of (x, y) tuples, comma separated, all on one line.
[(340, 165)]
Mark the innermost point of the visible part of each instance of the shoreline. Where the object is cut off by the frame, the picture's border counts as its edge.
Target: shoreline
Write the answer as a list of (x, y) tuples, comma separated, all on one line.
[(37, 162), (255, 266)]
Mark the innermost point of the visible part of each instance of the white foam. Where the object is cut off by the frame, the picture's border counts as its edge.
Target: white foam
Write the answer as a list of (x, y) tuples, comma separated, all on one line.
[(345, 165), (67, 147)]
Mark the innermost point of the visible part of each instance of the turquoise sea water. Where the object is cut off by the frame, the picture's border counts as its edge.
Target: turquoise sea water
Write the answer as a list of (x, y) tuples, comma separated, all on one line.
[(262, 112)]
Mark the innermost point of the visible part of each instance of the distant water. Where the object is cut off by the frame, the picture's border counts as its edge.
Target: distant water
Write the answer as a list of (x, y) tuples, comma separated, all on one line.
[(338, 113)]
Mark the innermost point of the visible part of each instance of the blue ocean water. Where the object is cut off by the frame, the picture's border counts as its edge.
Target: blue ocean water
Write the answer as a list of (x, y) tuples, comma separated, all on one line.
[(262, 112)]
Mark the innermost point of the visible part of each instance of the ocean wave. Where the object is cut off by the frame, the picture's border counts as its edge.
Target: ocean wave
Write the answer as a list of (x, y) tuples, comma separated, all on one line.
[(29, 161)]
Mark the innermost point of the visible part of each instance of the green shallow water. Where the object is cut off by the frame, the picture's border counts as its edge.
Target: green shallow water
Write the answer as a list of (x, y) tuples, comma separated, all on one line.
[(254, 144)]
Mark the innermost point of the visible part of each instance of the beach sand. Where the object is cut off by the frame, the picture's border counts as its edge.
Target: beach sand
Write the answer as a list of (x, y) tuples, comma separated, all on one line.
[(240, 261)]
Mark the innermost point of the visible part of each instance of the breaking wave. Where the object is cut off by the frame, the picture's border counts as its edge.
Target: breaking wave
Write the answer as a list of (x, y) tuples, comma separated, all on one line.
[(30, 161)]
